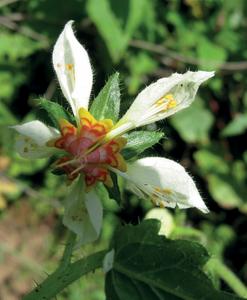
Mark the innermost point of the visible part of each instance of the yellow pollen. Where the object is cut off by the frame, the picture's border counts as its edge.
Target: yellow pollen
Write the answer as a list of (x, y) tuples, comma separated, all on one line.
[(160, 101), (167, 191), (161, 205), (157, 189), (169, 97), (69, 67), (154, 200), (168, 101), (171, 104)]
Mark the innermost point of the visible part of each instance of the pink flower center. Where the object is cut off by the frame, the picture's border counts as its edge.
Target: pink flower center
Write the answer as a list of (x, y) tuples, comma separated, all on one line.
[(87, 154)]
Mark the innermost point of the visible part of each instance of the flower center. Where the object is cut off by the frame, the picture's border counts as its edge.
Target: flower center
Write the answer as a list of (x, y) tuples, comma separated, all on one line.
[(87, 153)]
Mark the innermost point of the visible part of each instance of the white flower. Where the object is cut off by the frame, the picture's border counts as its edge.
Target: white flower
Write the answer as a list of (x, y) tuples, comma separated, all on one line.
[(73, 68), (161, 99), (165, 182), (92, 148)]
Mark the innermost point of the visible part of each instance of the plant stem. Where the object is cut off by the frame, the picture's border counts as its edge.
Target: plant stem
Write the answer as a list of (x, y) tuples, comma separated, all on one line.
[(228, 276), (63, 277), (66, 258)]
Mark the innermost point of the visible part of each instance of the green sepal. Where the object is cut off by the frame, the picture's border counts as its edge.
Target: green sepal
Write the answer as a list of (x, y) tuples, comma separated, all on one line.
[(51, 112), (138, 141), (107, 104)]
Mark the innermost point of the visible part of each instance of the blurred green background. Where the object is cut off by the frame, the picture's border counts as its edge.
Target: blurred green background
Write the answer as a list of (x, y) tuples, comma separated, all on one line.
[(143, 40)]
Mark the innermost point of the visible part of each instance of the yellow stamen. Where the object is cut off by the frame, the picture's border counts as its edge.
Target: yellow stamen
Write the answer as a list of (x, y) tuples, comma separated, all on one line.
[(167, 100), (71, 70), (169, 97), (167, 191), (162, 205), (160, 101), (157, 189), (171, 104), (69, 67)]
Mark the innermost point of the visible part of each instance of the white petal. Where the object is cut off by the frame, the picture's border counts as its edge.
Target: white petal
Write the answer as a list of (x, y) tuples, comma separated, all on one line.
[(165, 181), (108, 261), (148, 107), (83, 214), (37, 131), (33, 138), (73, 68)]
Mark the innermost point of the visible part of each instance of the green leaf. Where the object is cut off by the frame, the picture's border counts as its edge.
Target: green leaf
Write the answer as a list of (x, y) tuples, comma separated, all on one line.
[(210, 54), (6, 116), (193, 123), (15, 46), (208, 159), (22, 166), (225, 191), (109, 24), (140, 65), (51, 112), (107, 103), (236, 127), (149, 266), (226, 180), (138, 141), (10, 81)]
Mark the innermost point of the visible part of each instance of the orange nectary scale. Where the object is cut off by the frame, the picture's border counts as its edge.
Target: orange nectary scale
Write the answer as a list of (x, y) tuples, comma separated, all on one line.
[(87, 153)]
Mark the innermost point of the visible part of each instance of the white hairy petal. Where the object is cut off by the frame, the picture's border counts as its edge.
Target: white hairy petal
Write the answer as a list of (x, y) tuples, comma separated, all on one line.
[(83, 214), (148, 107), (73, 68), (31, 143), (165, 181)]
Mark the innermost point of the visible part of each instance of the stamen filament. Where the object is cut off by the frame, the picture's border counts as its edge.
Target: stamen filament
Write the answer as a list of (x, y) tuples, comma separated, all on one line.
[(71, 161), (77, 169)]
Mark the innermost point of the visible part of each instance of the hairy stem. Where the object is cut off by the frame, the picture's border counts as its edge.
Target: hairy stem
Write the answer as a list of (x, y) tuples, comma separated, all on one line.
[(63, 277), (66, 258), (228, 276)]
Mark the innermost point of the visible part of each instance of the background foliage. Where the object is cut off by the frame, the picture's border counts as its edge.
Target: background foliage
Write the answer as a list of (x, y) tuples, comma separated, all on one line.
[(142, 40)]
